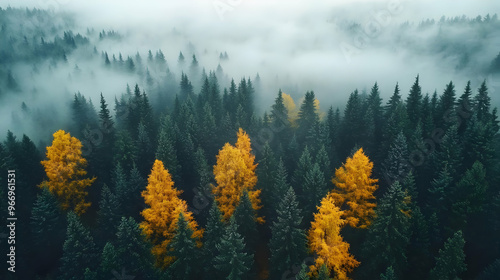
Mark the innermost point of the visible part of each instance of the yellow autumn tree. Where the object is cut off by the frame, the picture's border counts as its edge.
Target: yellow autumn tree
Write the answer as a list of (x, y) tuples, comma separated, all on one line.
[(234, 173), (160, 218), (293, 112), (327, 243), (354, 190), (65, 169)]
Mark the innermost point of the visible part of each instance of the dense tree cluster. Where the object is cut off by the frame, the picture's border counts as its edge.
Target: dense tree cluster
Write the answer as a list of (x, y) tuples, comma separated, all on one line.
[(199, 185)]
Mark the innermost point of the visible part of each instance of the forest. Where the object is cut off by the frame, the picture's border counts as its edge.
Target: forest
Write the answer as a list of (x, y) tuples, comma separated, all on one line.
[(186, 175)]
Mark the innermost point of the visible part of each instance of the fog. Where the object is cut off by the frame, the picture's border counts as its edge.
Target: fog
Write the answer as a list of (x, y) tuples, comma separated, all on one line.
[(331, 47)]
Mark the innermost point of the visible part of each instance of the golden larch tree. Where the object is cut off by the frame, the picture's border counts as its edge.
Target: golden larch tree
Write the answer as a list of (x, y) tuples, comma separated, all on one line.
[(65, 169), (234, 173), (354, 190), (327, 243), (160, 218)]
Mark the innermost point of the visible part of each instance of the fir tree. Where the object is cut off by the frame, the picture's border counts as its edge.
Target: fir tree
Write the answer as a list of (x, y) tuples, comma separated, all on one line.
[(245, 215), (233, 262), (413, 103), (184, 251), (450, 263), (288, 241), (79, 250), (109, 213)]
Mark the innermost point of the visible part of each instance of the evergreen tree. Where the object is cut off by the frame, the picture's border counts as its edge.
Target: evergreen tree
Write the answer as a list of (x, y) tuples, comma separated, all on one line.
[(109, 261), (446, 113), (450, 263), (308, 116), (133, 250), (482, 102), (389, 274), (109, 213), (413, 103), (79, 250), (105, 148), (324, 273), (464, 109), (302, 275), (214, 231), (245, 216), (233, 262), (314, 189), (396, 166), (166, 151), (265, 174), (419, 255), (288, 241), (184, 251), (304, 164), (48, 230), (389, 234)]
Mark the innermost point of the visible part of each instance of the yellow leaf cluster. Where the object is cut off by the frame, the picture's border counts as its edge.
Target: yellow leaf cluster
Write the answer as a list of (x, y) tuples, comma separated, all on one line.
[(65, 168), (325, 240), (354, 190), (234, 173), (293, 112), (160, 219)]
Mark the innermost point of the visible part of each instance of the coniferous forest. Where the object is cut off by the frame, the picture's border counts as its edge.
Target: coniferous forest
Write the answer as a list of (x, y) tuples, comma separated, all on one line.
[(169, 169)]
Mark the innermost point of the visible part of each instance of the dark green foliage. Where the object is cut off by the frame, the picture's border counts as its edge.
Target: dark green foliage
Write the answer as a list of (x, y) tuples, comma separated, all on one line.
[(314, 189), (491, 272), (450, 263), (79, 250), (413, 103), (109, 213), (265, 174), (396, 166), (214, 231), (389, 235), (244, 216), (302, 275), (233, 262), (184, 250), (133, 251), (324, 273), (389, 274), (308, 116), (288, 241)]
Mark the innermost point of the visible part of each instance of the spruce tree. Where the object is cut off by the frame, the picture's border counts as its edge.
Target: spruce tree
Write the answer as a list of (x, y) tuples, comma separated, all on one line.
[(389, 235), (288, 241), (214, 231), (79, 250), (413, 103), (245, 215), (109, 214), (450, 263), (233, 262), (314, 189), (184, 251)]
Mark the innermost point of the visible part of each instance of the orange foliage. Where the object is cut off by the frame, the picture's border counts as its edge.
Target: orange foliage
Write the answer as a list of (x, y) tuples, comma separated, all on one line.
[(235, 172), (65, 168), (160, 219), (354, 190), (325, 240)]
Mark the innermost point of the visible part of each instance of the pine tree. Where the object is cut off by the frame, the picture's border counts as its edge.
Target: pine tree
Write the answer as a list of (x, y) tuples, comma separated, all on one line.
[(288, 241), (214, 230), (389, 234), (133, 250), (308, 116), (109, 260), (79, 250), (232, 262), (450, 263), (304, 164), (166, 152), (389, 274), (464, 109), (302, 275), (279, 188), (396, 166), (104, 149), (446, 113), (413, 103), (48, 227), (109, 213), (184, 251), (65, 168), (327, 243), (314, 189), (354, 190), (265, 173), (245, 218), (482, 102)]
